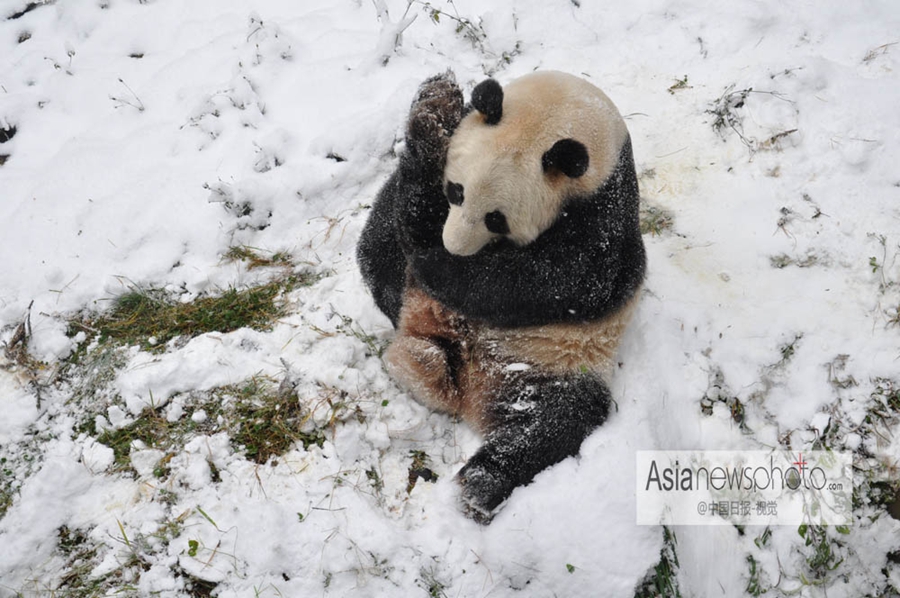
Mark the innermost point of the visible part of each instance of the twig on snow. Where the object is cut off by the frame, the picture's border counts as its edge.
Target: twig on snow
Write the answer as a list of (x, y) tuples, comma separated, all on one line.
[(137, 104), (391, 36)]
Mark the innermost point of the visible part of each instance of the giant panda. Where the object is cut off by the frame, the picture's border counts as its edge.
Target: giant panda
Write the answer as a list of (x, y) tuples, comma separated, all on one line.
[(506, 250)]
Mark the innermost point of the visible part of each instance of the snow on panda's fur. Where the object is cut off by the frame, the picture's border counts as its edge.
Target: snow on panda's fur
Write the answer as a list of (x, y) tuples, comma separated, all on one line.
[(506, 250)]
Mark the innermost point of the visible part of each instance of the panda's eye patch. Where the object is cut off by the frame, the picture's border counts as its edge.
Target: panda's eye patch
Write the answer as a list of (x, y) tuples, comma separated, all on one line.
[(455, 193), (496, 223)]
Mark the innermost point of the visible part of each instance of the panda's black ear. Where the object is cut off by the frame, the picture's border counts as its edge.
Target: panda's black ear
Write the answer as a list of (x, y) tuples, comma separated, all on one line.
[(487, 98), (567, 156)]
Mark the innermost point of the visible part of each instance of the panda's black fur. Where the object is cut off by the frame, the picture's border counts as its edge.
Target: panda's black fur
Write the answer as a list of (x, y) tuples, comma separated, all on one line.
[(514, 338)]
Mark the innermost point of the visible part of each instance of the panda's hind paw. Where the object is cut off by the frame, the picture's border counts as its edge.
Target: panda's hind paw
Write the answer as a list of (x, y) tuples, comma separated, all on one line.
[(482, 492)]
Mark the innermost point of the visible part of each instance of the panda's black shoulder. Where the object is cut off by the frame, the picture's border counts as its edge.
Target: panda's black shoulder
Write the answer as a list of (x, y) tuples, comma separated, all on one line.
[(611, 208)]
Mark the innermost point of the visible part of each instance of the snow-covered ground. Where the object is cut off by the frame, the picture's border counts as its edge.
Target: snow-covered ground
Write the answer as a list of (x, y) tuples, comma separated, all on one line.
[(139, 141)]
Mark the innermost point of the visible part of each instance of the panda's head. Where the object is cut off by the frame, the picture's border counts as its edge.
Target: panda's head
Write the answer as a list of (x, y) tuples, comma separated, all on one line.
[(522, 153)]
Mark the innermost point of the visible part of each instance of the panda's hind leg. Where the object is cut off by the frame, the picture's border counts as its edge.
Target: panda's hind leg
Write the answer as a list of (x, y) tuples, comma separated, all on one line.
[(423, 367), (428, 355), (537, 421)]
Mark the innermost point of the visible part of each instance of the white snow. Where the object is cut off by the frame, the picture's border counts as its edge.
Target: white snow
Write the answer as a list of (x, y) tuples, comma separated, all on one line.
[(152, 136)]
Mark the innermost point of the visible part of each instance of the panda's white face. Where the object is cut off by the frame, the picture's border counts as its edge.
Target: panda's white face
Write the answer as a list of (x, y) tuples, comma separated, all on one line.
[(494, 196), (554, 137)]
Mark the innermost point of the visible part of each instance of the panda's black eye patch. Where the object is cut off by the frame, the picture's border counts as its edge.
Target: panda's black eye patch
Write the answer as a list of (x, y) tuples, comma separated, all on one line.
[(496, 223), (455, 193)]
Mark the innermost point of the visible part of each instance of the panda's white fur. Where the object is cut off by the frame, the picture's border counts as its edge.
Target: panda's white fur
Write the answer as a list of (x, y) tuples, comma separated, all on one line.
[(499, 165)]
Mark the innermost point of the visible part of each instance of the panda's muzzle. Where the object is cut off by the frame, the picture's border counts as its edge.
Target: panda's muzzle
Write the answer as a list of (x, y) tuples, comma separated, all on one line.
[(463, 236)]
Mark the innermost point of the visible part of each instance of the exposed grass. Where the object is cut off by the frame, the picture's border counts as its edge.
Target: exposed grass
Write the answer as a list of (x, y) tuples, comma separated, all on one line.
[(878, 481), (151, 317), (269, 421), (259, 418), (823, 551), (347, 327), (7, 487), (827, 554), (471, 29), (81, 558), (35, 372), (262, 419), (727, 112), (255, 258), (474, 32), (754, 585), (783, 260), (82, 554), (150, 428), (719, 392), (787, 351), (18, 461), (91, 372), (774, 142), (887, 397), (429, 582), (880, 494), (678, 85), (661, 581), (654, 220), (837, 376), (893, 316), (876, 52), (419, 469)]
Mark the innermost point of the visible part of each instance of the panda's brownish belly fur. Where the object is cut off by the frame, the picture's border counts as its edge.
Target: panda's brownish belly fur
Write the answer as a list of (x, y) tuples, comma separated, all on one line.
[(457, 365)]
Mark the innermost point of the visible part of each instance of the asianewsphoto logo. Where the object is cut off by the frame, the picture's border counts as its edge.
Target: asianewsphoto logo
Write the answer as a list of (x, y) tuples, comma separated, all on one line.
[(799, 476), (744, 487)]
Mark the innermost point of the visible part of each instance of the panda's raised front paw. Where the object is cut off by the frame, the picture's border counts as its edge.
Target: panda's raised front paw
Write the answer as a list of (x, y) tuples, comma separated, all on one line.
[(433, 117), (481, 491), (441, 97)]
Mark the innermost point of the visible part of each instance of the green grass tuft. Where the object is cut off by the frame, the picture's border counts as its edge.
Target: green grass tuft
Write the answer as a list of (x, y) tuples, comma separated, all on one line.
[(823, 552), (679, 84), (262, 419), (7, 491), (254, 257), (654, 220), (661, 581), (269, 420), (754, 585), (151, 317), (429, 582), (150, 427)]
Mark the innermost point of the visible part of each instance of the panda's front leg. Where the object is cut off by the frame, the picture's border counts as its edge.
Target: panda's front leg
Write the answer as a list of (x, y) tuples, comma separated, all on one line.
[(409, 211), (537, 421), (422, 207), (433, 117)]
